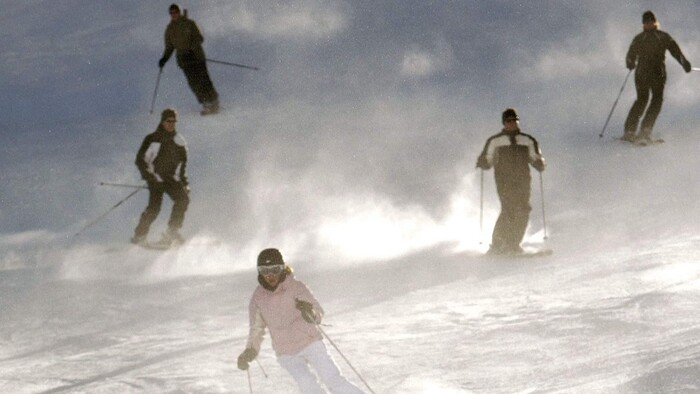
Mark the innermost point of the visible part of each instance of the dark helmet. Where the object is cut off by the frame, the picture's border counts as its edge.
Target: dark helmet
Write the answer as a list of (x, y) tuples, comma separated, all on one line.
[(648, 17), (270, 256), (509, 113), (168, 113)]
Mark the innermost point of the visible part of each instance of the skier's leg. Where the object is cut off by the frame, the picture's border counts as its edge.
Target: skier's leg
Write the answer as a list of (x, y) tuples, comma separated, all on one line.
[(498, 238), (208, 91), (297, 367), (657, 99), (317, 355), (181, 201), (515, 211), (519, 225), (155, 199), (193, 81), (637, 108), (201, 84)]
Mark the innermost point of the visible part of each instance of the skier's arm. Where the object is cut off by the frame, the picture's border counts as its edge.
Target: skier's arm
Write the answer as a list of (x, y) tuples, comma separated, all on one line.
[(141, 161), (257, 327), (536, 158), (676, 52), (305, 300), (197, 38), (183, 168), (632, 54), (168, 51), (484, 160)]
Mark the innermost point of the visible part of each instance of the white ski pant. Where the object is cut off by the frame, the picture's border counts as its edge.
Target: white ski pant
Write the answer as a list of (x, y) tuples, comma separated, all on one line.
[(316, 355)]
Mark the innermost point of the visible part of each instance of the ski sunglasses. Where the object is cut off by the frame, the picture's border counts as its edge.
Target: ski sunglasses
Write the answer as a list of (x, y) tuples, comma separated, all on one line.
[(271, 269)]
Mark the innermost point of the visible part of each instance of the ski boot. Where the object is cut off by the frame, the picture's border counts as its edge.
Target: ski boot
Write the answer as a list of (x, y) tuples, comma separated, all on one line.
[(139, 240), (644, 137), (629, 136), (171, 237), (210, 108)]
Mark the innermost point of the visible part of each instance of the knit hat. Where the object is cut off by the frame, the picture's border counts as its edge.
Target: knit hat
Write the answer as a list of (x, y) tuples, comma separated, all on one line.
[(168, 113), (509, 113), (270, 256), (174, 7), (648, 17)]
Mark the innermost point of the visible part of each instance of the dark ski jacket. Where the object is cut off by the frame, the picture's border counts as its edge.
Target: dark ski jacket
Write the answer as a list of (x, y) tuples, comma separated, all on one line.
[(184, 36), (511, 154), (163, 157), (648, 52)]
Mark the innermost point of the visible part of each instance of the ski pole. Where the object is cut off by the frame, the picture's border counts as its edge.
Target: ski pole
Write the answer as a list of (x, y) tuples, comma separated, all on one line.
[(615, 104), (695, 68), (250, 383), (108, 211), (481, 209), (544, 218), (233, 64), (123, 185), (344, 358), (261, 368), (155, 92)]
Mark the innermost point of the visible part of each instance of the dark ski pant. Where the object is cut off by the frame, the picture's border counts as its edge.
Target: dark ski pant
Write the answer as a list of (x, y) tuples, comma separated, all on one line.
[(199, 81), (181, 200), (646, 84), (515, 214)]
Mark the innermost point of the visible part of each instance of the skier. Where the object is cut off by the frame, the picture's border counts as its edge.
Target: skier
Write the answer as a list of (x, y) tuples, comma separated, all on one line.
[(287, 308), (162, 161), (183, 35), (647, 54), (511, 152)]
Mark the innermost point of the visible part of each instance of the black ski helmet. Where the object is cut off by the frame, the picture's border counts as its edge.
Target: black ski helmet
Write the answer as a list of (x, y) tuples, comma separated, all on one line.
[(509, 113), (174, 7), (648, 17), (270, 256)]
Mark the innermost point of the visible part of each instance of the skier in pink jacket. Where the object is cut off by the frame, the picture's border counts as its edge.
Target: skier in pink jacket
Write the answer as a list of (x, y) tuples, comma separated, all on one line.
[(286, 307)]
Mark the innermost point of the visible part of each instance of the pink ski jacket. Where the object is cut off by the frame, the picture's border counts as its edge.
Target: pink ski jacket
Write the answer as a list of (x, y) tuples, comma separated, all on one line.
[(276, 311)]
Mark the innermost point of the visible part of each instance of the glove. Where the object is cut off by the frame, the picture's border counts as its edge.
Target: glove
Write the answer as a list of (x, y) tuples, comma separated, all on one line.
[(539, 164), (482, 163), (630, 66), (307, 311), (686, 66), (162, 61), (246, 357)]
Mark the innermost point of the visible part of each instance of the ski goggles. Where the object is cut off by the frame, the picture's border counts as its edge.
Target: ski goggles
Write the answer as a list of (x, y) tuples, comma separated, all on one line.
[(270, 269)]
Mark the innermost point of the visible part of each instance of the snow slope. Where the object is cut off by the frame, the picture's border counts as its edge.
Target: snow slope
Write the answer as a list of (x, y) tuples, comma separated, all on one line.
[(352, 150)]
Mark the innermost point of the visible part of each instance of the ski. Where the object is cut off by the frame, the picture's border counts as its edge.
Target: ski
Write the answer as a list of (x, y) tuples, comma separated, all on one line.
[(158, 245), (645, 143), (651, 142), (533, 253), (527, 253), (207, 113)]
